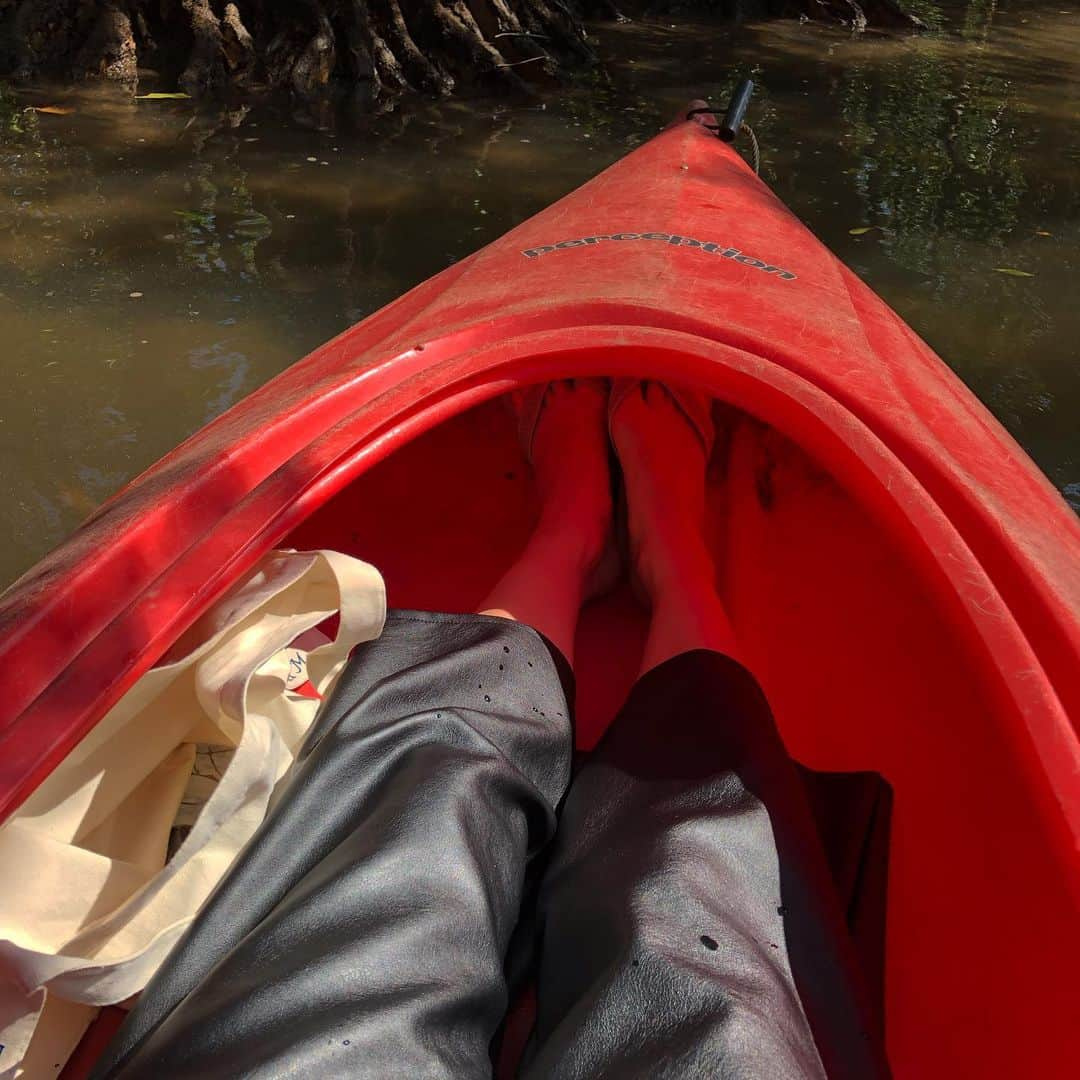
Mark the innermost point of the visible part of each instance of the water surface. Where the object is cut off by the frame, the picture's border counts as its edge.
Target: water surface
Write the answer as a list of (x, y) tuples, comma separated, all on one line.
[(158, 262)]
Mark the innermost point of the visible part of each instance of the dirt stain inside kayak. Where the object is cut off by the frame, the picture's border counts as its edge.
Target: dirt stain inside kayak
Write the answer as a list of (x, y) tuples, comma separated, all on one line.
[(158, 262)]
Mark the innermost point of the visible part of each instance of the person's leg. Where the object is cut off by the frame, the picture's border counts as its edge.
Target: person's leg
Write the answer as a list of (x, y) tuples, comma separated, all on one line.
[(663, 462), (689, 925), (566, 558), (364, 930)]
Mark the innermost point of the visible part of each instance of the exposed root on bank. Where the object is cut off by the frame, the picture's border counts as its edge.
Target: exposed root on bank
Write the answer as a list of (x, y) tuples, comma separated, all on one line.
[(313, 48), (371, 49), (109, 51), (859, 14)]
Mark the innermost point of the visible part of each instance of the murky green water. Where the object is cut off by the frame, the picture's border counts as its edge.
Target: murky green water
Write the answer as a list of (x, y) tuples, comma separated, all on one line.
[(156, 264)]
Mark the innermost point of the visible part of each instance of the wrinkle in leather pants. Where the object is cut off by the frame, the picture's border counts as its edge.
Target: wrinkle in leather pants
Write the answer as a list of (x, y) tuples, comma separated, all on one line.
[(684, 924)]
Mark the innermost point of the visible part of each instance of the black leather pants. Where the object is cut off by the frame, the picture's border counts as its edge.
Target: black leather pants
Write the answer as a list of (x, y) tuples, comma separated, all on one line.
[(683, 921)]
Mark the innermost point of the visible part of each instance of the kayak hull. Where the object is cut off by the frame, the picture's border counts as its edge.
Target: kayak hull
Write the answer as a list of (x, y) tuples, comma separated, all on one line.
[(904, 580)]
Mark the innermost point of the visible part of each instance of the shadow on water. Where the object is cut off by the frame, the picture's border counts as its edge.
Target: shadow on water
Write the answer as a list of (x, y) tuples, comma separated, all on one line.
[(158, 262)]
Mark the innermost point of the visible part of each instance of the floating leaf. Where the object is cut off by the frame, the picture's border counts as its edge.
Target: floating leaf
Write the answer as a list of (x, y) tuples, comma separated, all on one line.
[(860, 230), (159, 96), (1011, 272), (52, 110)]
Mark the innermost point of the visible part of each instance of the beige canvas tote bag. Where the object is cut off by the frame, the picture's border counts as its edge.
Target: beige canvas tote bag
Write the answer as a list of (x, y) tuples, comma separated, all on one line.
[(89, 906)]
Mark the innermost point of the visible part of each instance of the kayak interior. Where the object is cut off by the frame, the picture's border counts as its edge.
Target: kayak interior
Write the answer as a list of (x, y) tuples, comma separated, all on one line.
[(867, 667)]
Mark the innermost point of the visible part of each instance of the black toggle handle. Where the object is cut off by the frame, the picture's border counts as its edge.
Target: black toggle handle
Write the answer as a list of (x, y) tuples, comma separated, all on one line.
[(736, 111)]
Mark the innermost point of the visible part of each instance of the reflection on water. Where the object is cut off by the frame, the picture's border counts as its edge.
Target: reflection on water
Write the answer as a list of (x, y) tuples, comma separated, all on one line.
[(157, 263)]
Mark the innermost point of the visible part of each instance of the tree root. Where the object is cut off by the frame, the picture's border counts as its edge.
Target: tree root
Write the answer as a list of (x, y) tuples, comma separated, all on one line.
[(312, 48), (47, 36), (109, 52), (428, 75), (315, 49), (859, 14), (312, 69), (238, 46), (206, 68)]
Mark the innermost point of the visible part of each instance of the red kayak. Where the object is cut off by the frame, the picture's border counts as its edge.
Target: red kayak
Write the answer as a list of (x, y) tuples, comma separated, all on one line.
[(904, 580)]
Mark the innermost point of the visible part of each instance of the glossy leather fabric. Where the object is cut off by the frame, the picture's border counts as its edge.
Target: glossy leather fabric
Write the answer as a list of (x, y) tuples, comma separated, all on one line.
[(688, 920), (364, 931)]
